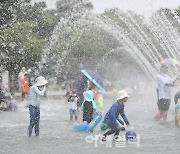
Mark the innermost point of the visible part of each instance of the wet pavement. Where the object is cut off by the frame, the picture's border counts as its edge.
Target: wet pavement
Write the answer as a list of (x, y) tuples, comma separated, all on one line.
[(56, 135)]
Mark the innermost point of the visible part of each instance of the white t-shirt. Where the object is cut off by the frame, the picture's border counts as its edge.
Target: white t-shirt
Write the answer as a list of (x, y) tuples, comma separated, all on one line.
[(73, 103), (163, 90)]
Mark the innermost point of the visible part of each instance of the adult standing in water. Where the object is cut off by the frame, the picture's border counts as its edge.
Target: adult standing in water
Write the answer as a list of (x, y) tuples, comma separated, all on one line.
[(164, 83), (38, 89), (80, 86)]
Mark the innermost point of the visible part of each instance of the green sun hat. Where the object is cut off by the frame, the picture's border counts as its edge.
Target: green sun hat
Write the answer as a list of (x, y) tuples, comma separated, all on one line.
[(88, 95), (104, 126)]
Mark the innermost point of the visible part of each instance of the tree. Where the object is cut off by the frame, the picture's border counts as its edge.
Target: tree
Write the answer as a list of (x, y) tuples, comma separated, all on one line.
[(75, 42), (7, 9), (24, 30), (75, 8), (45, 19), (19, 47)]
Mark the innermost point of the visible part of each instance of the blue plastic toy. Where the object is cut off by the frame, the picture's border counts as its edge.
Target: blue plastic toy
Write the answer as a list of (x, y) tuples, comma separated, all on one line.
[(84, 126)]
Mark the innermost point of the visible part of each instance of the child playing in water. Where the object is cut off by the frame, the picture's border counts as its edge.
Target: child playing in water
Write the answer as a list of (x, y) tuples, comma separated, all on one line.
[(111, 117), (38, 89), (98, 98), (88, 106), (13, 103), (72, 101)]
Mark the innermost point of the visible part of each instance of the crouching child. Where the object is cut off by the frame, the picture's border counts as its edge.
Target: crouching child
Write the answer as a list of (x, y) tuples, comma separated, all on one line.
[(111, 117)]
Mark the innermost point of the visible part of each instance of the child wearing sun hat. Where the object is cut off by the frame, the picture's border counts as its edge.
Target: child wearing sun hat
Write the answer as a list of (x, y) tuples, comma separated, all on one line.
[(88, 106), (111, 117), (38, 89)]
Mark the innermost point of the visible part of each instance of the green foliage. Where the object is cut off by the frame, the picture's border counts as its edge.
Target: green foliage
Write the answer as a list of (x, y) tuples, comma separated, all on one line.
[(172, 17), (86, 46), (7, 10), (25, 28), (45, 19), (73, 7), (19, 47)]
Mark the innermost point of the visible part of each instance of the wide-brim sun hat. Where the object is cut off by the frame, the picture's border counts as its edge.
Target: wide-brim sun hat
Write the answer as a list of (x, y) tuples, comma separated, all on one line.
[(122, 94), (40, 81)]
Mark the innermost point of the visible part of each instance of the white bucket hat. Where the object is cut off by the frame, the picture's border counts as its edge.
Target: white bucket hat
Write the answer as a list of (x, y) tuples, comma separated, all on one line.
[(40, 81), (122, 94)]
